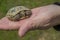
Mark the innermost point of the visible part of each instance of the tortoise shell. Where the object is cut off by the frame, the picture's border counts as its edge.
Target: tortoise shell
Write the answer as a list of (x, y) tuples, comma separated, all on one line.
[(19, 12)]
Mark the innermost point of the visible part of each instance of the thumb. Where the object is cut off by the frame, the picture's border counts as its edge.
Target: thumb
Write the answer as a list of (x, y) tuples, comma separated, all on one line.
[(24, 28)]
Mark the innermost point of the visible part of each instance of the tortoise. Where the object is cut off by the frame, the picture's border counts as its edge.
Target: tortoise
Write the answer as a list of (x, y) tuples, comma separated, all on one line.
[(18, 13)]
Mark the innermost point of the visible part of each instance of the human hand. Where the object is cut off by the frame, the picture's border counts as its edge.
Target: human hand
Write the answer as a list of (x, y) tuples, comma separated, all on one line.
[(42, 17)]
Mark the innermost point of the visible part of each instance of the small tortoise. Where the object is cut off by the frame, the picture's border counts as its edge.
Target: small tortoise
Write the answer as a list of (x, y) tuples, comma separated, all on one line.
[(19, 12)]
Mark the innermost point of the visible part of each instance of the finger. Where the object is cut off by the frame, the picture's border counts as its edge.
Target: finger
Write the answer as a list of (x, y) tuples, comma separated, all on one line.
[(3, 23), (24, 28), (7, 24)]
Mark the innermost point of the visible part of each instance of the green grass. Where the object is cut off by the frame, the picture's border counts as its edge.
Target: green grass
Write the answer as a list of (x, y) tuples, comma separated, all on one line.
[(49, 34)]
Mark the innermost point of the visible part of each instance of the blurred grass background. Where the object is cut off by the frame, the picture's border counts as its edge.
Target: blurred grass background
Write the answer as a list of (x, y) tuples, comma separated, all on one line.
[(49, 34)]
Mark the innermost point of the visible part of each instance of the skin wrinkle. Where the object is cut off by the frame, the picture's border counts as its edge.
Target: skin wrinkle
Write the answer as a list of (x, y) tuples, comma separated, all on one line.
[(43, 18), (56, 21)]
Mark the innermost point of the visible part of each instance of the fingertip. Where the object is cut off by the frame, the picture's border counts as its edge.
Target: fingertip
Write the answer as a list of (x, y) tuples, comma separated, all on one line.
[(20, 34), (22, 31)]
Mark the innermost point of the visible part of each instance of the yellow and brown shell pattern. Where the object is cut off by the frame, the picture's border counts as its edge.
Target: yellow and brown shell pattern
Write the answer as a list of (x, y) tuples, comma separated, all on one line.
[(19, 12)]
